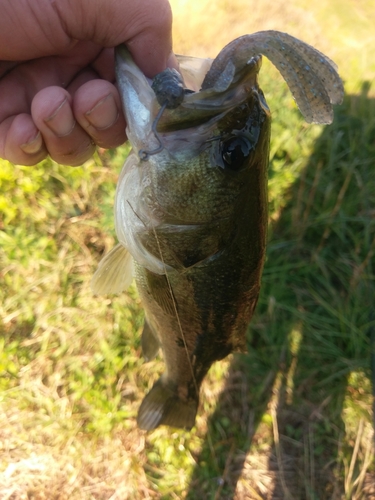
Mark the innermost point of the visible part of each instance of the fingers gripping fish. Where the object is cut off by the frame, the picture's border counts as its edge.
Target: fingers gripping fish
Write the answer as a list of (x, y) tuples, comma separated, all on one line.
[(191, 204)]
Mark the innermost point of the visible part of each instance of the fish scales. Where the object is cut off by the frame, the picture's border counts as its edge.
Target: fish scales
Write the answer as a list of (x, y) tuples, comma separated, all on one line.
[(191, 204)]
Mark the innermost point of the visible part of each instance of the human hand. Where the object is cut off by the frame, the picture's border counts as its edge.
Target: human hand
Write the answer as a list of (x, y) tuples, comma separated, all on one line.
[(57, 92)]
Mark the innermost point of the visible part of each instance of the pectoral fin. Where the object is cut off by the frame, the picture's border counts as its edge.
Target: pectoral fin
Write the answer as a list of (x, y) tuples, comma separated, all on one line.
[(149, 343), (162, 406), (114, 273)]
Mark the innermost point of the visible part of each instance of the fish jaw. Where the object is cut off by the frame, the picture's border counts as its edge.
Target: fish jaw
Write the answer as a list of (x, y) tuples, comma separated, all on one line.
[(138, 100), (140, 104), (198, 107)]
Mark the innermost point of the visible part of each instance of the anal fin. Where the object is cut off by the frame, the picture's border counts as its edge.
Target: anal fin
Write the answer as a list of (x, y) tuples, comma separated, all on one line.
[(149, 342), (162, 406)]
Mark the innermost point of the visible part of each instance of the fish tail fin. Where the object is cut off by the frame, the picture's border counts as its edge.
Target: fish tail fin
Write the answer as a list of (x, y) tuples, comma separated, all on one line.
[(163, 406)]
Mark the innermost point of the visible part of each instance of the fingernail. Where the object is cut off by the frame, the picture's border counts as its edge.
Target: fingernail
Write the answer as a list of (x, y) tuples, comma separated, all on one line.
[(172, 62), (62, 121), (33, 146), (104, 114)]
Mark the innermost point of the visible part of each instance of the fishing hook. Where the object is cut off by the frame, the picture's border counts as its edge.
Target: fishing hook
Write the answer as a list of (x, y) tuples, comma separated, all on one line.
[(143, 153)]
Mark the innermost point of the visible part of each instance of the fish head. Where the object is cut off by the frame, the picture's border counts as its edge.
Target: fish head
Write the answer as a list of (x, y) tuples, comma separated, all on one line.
[(211, 165), (200, 109)]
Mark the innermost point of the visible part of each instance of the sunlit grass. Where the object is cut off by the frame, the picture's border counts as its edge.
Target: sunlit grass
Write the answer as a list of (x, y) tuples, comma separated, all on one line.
[(294, 418)]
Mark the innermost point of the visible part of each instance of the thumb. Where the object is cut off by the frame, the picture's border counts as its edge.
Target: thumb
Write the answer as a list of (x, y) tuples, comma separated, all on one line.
[(36, 28), (144, 25)]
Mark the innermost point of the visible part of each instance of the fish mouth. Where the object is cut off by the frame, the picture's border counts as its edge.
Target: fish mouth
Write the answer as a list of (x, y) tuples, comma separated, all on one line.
[(219, 84), (201, 107)]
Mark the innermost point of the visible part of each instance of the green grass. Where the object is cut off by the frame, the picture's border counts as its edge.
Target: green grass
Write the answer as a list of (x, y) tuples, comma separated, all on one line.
[(290, 419)]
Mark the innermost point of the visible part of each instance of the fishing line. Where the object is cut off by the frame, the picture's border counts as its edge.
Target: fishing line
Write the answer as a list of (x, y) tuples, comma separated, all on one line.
[(176, 312), (208, 433), (169, 92), (173, 102), (173, 301)]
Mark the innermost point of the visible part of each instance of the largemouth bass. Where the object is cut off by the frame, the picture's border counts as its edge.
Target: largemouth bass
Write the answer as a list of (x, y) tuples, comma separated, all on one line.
[(191, 204)]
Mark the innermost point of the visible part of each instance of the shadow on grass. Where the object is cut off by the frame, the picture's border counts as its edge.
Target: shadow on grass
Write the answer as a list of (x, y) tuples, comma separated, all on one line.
[(277, 432)]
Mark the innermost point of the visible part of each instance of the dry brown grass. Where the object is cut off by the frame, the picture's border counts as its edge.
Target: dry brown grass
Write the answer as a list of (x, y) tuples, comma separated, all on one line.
[(44, 463)]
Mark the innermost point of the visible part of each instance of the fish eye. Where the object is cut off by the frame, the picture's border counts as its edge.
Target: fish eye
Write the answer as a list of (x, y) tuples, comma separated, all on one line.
[(235, 152)]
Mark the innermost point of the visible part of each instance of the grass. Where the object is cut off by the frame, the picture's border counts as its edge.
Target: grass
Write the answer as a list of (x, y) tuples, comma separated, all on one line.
[(290, 419)]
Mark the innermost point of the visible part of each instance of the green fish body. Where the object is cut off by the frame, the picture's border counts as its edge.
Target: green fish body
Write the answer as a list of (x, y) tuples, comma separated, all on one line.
[(191, 206)]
